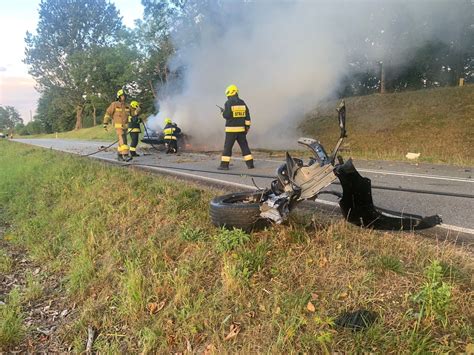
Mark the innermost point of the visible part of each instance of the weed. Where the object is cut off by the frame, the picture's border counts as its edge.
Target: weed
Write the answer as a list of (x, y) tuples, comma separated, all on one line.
[(150, 339), (11, 320), (227, 240), (250, 261), (190, 234), (33, 289), (5, 262), (434, 298), (388, 263)]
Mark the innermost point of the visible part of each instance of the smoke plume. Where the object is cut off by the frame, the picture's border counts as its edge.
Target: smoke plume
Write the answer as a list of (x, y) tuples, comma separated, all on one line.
[(285, 57)]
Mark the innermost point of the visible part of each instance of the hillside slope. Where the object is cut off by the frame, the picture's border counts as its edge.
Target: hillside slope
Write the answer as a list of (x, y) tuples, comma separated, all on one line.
[(438, 123)]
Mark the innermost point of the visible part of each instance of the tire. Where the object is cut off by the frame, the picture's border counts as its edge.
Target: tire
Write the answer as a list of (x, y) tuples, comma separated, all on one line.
[(238, 210)]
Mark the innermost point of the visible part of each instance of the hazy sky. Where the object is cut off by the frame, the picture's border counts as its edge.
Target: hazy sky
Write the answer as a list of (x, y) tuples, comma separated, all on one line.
[(17, 17)]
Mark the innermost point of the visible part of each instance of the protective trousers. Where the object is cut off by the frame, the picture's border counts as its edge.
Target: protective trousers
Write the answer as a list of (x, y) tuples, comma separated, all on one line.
[(122, 141), (241, 138), (134, 143), (172, 145)]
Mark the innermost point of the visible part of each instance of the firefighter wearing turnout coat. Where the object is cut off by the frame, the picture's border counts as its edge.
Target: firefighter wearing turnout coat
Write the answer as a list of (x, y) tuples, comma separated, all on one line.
[(118, 112), (134, 127), (171, 132), (237, 117)]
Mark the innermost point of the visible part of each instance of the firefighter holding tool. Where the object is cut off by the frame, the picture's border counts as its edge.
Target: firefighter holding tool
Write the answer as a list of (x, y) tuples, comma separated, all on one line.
[(237, 117)]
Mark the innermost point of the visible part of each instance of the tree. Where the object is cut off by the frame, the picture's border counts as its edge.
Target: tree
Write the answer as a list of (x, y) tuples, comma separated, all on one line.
[(65, 29), (9, 118), (54, 113)]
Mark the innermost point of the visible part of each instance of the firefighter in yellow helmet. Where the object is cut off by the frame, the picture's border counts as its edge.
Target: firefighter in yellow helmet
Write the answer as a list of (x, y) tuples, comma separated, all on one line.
[(134, 127), (118, 112), (237, 125), (171, 132)]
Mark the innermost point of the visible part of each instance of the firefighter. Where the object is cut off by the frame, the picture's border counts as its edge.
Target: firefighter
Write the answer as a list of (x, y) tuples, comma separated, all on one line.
[(171, 132), (237, 125), (118, 112), (134, 127)]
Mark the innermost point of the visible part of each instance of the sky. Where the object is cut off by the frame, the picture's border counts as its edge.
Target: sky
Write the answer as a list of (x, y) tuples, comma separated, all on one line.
[(17, 87)]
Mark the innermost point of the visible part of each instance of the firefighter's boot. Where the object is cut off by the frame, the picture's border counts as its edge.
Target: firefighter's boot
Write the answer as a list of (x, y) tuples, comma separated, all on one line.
[(250, 164), (134, 153), (127, 157), (224, 165)]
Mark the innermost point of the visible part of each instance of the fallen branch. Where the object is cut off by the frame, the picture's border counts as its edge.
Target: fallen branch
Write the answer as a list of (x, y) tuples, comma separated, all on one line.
[(90, 339)]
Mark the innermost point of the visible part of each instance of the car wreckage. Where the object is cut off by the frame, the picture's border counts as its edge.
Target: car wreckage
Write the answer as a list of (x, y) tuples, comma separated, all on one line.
[(157, 139), (297, 181)]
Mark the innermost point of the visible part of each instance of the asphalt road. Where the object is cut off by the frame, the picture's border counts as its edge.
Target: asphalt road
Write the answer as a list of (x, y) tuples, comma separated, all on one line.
[(444, 185)]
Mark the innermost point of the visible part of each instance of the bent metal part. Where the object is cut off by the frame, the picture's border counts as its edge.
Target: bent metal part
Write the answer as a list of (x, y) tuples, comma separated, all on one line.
[(297, 181)]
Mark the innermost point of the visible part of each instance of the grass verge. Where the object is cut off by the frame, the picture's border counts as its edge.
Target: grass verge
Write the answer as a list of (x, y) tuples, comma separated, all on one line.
[(437, 123), (139, 257)]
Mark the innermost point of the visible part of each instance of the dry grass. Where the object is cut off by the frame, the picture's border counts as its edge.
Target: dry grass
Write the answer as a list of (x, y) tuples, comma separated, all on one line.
[(437, 123), (161, 278)]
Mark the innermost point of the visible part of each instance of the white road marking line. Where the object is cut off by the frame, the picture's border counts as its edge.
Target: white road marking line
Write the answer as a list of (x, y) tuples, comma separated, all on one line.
[(324, 202), (224, 182), (456, 228), (396, 173), (370, 171), (423, 176)]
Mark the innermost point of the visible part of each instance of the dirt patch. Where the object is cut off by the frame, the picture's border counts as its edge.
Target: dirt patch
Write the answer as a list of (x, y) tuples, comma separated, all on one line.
[(45, 307)]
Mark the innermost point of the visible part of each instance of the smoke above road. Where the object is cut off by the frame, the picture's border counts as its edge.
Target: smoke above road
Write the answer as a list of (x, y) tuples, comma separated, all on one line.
[(285, 57)]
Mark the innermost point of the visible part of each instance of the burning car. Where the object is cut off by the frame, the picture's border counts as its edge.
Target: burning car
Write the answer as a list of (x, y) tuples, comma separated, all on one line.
[(156, 139)]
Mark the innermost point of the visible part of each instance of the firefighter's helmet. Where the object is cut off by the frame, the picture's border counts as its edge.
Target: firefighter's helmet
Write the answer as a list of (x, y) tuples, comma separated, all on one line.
[(134, 104), (231, 90), (168, 120), (120, 93)]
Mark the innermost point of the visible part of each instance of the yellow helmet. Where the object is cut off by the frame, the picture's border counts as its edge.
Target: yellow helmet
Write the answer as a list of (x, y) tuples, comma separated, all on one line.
[(231, 90), (134, 104), (168, 120), (120, 93)]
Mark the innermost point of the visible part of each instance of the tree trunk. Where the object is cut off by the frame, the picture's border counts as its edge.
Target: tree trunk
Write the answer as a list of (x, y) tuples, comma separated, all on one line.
[(152, 89), (79, 110), (94, 116)]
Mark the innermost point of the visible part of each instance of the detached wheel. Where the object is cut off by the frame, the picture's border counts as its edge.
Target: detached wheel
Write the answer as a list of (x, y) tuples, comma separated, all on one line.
[(238, 210)]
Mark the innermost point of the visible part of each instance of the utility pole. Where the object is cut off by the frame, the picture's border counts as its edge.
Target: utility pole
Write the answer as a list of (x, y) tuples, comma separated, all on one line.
[(382, 78)]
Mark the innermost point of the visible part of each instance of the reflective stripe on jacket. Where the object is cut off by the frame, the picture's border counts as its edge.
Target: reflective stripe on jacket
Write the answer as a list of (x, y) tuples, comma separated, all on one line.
[(134, 121), (171, 131), (118, 112), (236, 114)]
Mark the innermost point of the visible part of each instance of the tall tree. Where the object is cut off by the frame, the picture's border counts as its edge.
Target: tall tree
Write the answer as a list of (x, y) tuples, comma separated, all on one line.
[(65, 28), (9, 117)]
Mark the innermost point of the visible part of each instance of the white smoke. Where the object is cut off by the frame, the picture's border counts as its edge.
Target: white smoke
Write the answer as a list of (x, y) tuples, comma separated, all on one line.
[(285, 57)]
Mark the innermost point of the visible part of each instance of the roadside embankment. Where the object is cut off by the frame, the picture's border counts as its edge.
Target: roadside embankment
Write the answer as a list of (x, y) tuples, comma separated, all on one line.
[(134, 258), (437, 123)]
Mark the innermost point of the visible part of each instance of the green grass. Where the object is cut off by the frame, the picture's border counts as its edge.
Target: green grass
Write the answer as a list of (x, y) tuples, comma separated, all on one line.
[(33, 289), (438, 123), (5, 262), (11, 320), (97, 133), (139, 257)]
